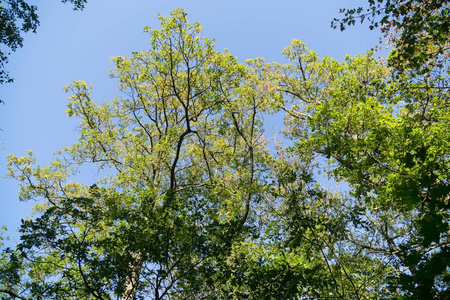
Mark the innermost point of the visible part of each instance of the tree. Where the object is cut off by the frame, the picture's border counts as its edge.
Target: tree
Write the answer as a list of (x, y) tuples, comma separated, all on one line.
[(415, 172), (185, 149), (389, 141), (199, 204), (12, 12), (418, 30)]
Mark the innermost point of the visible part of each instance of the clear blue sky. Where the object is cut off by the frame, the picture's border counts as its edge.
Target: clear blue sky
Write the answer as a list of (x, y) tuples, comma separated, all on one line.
[(73, 45)]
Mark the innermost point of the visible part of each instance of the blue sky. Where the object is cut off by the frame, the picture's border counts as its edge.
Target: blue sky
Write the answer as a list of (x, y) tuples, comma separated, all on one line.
[(72, 45)]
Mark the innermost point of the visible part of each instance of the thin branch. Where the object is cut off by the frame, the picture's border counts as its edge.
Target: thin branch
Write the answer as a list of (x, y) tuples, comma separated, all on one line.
[(13, 294)]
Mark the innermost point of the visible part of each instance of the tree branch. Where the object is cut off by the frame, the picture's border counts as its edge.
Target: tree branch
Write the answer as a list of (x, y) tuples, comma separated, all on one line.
[(13, 294)]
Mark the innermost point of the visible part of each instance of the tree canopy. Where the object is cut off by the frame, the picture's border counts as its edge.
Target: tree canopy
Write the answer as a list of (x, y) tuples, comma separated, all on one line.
[(199, 203)]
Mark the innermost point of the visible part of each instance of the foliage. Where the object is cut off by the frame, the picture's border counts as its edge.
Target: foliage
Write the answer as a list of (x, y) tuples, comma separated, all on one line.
[(16, 17), (417, 29), (185, 146), (200, 204), (389, 141)]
